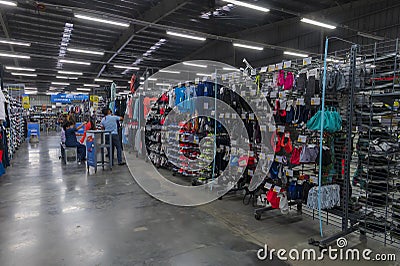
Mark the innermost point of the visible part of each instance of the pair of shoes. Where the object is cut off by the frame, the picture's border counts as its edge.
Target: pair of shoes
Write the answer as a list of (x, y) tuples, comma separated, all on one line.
[(123, 163)]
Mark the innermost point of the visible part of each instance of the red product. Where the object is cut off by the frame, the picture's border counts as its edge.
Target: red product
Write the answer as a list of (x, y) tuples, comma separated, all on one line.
[(273, 199), (295, 159)]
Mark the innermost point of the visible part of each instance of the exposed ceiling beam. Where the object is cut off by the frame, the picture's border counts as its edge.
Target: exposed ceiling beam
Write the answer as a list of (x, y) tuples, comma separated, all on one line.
[(154, 15), (4, 25)]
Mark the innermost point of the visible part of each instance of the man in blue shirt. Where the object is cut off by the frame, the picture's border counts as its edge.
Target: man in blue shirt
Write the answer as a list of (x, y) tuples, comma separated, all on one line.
[(109, 123)]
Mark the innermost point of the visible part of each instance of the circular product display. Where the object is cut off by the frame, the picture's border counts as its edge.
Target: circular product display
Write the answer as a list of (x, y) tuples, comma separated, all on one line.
[(196, 120)]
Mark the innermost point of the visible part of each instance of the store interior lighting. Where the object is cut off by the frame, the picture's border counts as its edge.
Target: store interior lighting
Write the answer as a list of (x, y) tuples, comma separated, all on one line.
[(70, 73), (127, 67), (75, 62), (20, 68), (100, 20), (248, 46), (15, 56), (60, 83), (244, 4), (317, 23), (194, 65), (65, 39), (83, 89), (84, 51), (91, 85), (65, 77), (295, 54), (103, 80), (23, 74), (19, 43), (8, 3), (170, 71), (187, 36)]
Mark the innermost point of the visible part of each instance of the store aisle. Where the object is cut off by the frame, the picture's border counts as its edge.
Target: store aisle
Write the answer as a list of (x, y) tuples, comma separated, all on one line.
[(57, 215)]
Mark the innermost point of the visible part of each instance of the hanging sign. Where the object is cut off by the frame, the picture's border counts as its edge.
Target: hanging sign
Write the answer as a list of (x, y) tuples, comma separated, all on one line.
[(287, 64), (279, 66), (25, 102), (307, 61), (271, 68)]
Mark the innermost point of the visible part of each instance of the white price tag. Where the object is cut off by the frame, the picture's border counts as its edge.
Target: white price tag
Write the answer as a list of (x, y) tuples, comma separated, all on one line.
[(277, 189), (274, 94), (302, 139), (233, 142), (279, 66), (240, 169), (263, 69), (268, 186), (271, 128), (307, 61), (314, 179), (281, 129), (253, 72), (212, 113), (243, 93), (263, 128), (278, 159), (253, 93), (251, 116), (250, 172), (227, 115), (282, 94), (234, 116), (243, 116), (315, 101), (262, 156), (289, 172), (271, 68), (233, 151), (270, 157), (287, 64), (300, 101), (221, 116)]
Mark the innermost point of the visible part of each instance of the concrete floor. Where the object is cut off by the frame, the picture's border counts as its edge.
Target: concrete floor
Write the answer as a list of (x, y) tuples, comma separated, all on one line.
[(52, 214)]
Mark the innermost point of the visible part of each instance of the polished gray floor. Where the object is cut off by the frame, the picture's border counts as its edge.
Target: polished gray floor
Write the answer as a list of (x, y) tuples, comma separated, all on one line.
[(52, 214)]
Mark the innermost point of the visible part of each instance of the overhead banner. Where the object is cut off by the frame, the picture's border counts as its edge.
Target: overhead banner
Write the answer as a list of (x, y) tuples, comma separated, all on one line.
[(68, 98)]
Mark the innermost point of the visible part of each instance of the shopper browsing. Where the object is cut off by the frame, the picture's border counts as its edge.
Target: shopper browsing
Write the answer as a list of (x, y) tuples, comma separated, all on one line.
[(90, 125), (71, 140), (109, 123)]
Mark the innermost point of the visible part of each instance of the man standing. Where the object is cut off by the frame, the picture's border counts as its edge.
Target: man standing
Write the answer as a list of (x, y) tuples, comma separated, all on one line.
[(109, 123)]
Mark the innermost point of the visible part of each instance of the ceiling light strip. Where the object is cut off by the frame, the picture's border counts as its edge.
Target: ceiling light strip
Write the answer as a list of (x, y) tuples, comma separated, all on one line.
[(70, 73), (23, 74), (127, 67), (259, 48), (15, 56), (317, 23), (14, 42), (187, 36), (75, 62), (100, 20), (251, 6), (295, 54), (83, 51), (20, 68), (8, 3), (195, 65)]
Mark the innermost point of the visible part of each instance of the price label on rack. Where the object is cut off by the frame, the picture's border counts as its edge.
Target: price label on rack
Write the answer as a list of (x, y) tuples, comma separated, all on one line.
[(271, 68), (282, 95), (251, 116), (240, 169), (281, 129), (262, 156), (278, 159), (197, 81), (289, 172), (314, 179), (263, 69), (221, 116), (250, 172), (253, 93), (268, 186), (270, 157), (243, 116), (279, 66), (233, 142), (302, 139), (315, 101), (271, 128), (287, 64), (234, 116), (274, 94), (233, 151), (300, 101), (263, 128), (277, 189), (212, 113), (227, 115), (243, 93), (307, 61)]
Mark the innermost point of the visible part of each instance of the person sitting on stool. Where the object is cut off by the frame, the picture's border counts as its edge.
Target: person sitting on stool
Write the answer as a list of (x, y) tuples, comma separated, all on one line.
[(109, 123), (71, 141)]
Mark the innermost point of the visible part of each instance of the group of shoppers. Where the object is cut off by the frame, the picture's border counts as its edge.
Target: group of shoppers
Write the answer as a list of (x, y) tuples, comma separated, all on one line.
[(108, 123)]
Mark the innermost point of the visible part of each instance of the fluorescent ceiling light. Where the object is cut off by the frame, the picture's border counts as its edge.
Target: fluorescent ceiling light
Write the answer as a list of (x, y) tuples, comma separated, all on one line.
[(15, 56), (127, 67), (8, 3), (163, 84), (91, 85), (239, 3), (371, 36), (60, 83), (141, 83), (82, 51), (230, 69), (15, 42), (20, 68), (106, 21), (75, 62), (30, 88), (103, 80), (83, 89), (204, 75), (195, 65), (295, 54), (31, 92), (70, 73), (23, 74), (169, 71), (141, 78), (152, 79), (248, 46), (317, 23), (64, 77), (186, 36)]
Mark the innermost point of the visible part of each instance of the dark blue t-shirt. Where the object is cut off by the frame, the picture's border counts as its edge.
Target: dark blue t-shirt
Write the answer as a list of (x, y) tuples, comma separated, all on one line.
[(70, 138)]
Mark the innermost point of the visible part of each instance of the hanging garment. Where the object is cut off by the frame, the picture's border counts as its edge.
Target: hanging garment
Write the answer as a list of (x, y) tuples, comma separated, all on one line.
[(2, 107), (148, 103), (330, 197)]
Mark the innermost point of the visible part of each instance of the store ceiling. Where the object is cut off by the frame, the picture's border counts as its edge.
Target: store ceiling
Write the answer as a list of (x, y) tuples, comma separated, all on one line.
[(43, 24)]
